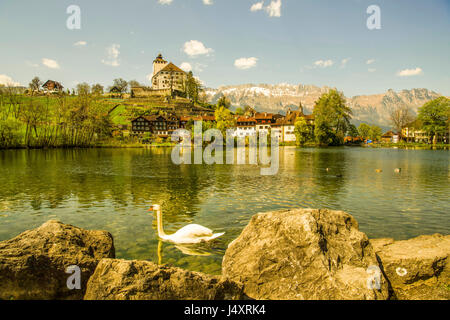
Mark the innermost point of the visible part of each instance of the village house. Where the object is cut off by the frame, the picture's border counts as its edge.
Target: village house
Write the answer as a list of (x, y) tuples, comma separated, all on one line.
[(265, 120), (245, 126), (288, 132), (51, 86), (390, 137), (412, 132)]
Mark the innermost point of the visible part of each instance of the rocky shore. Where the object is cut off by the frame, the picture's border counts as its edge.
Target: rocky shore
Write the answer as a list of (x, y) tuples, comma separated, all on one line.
[(301, 254)]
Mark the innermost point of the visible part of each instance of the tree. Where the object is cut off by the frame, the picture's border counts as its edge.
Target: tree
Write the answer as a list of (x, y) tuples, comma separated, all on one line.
[(97, 89), (121, 84), (375, 133), (435, 117), (239, 111), (35, 84), (352, 131), (192, 87), (302, 131), (364, 130), (223, 103), (134, 83), (400, 117), (83, 89), (224, 119), (332, 118)]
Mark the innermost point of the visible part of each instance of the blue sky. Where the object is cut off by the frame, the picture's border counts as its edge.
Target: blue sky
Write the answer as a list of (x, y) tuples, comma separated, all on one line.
[(319, 42)]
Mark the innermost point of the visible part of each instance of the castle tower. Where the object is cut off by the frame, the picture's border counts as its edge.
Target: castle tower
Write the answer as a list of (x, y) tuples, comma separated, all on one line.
[(158, 64)]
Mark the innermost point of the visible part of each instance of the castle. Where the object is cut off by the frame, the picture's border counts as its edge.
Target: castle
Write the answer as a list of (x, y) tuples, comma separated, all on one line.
[(167, 79)]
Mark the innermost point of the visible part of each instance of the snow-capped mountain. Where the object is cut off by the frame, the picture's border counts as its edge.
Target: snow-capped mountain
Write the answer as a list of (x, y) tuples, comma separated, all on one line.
[(280, 97)]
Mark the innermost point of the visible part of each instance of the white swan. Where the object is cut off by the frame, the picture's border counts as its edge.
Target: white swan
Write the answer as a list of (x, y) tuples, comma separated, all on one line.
[(192, 233)]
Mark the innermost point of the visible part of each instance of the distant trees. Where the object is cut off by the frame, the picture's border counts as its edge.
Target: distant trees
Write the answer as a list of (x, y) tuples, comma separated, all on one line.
[(121, 85), (223, 103), (332, 118), (375, 133), (372, 132), (400, 116), (364, 130), (134, 83), (97, 89), (352, 131), (193, 88), (435, 117), (302, 131), (35, 84), (83, 89), (224, 119), (239, 111)]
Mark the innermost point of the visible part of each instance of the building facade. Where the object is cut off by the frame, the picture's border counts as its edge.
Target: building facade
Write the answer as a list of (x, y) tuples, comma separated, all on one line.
[(167, 76)]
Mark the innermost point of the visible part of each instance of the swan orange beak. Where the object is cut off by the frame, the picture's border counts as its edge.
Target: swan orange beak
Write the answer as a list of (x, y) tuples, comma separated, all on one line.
[(151, 209)]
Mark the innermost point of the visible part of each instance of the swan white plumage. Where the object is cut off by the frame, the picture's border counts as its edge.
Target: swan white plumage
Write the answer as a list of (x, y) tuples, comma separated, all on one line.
[(192, 233)]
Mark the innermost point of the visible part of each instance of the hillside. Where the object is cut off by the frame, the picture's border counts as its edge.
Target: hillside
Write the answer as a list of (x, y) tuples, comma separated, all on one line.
[(373, 109)]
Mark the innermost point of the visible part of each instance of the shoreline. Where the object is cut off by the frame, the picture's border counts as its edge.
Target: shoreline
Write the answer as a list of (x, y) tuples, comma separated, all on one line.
[(413, 146), (417, 268)]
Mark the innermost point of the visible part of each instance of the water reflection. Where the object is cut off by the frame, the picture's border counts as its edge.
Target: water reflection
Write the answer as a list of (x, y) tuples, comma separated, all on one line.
[(112, 189)]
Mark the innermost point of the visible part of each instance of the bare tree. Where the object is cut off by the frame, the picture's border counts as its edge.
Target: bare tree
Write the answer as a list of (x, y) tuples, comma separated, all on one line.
[(400, 117), (35, 84)]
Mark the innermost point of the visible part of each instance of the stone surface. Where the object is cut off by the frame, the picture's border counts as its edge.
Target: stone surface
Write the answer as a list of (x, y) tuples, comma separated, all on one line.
[(33, 264), (418, 268), (143, 280), (303, 254)]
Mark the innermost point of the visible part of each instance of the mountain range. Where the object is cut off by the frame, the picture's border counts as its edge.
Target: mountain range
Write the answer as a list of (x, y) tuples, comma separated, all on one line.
[(278, 98)]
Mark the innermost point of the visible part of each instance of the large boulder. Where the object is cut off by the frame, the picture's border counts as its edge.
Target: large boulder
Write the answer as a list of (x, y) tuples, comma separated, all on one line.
[(33, 264), (143, 280), (304, 254), (417, 269)]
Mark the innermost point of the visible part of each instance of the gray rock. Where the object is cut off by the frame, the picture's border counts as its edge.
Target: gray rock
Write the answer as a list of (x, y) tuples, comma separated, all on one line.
[(33, 264), (303, 254), (418, 268), (143, 280)]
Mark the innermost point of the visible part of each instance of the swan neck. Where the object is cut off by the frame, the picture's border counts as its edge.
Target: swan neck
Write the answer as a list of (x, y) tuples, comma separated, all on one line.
[(159, 223)]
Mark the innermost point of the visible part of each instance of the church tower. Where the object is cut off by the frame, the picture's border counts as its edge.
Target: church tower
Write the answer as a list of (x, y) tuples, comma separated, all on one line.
[(158, 64), (300, 108)]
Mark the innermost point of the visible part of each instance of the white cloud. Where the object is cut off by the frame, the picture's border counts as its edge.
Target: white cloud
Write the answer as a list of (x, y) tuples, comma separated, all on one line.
[(186, 66), (202, 83), (410, 72), (344, 62), (32, 64), (80, 44), (8, 81), (196, 48), (257, 6), (49, 63), (165, 1), (372, 70), (112, 55), (207, 2), (323, 63), (370, 61), (274, 8), (245, 63)]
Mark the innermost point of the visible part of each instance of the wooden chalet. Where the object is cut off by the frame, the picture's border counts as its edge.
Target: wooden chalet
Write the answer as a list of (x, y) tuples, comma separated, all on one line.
[(52, 86)]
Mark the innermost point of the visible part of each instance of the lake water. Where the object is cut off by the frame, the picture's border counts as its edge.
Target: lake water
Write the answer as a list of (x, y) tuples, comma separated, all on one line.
[(111, 189)]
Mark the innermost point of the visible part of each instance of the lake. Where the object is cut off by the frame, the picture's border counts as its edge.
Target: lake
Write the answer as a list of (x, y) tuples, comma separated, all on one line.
[(112, 189)]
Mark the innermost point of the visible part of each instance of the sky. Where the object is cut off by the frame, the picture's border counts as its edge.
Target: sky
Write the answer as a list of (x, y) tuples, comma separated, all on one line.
[(230, 42)]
